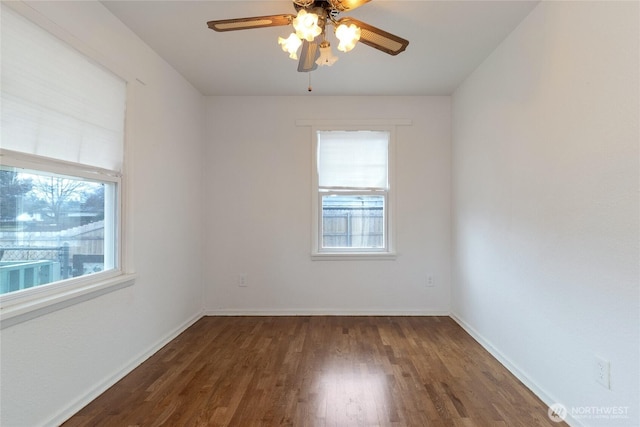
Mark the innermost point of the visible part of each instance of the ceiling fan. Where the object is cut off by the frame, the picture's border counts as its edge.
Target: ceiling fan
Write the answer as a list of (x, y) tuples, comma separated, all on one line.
[(310, 23)]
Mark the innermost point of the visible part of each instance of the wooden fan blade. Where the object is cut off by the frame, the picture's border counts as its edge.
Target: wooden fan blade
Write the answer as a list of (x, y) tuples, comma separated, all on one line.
[(343, 5), (308, 55), (377, 38), (249, 23)]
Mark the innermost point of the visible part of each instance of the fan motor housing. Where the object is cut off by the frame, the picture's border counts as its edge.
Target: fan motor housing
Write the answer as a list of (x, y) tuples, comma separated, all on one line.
[(312, 5)]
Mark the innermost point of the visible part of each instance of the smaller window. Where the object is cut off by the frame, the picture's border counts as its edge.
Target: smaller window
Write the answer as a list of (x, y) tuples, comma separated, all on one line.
[(352, 192)]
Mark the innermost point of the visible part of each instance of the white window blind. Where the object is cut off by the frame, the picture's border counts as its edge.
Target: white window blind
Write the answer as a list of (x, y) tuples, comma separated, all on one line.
[(55, 101), (353, 159)]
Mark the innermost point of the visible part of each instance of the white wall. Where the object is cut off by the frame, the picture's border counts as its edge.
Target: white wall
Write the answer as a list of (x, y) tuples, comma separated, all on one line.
[(259, 205), (545, 193), (52, 364)]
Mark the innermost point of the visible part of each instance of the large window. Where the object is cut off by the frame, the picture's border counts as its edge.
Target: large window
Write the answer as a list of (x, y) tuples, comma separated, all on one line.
[(60, 171), (55, 227), (352, 186)]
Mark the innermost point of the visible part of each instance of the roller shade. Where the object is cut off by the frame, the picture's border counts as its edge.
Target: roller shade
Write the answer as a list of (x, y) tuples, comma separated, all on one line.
[(353, 159), (56, 102)]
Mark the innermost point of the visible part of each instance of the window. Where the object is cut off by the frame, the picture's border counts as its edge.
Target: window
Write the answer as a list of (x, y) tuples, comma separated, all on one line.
[(55, 227), (60, 172), (352, 192)]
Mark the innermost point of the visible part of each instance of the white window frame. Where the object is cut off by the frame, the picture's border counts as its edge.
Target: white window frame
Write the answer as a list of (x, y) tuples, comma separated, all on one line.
[(389, 251), (16, 307), (30, 303)]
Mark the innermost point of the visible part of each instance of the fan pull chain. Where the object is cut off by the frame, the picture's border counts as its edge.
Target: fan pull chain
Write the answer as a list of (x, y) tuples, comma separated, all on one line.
[(309, 88)]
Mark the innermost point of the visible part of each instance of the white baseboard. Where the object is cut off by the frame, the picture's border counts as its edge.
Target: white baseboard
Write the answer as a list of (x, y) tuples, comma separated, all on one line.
[(67, 412), (512, 367), (321, 312)]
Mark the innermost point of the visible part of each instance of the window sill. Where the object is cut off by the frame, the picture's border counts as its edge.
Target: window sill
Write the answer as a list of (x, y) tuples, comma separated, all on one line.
[(353, 256), (25, 306)]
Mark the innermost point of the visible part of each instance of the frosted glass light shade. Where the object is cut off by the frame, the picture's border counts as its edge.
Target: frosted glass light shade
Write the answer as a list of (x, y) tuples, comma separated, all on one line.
[(290, 45), (306, 25), (327, 58), (348, 36)]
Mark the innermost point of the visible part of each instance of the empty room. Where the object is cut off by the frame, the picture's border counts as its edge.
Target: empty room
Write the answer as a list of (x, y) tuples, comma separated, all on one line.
[(320, 213)]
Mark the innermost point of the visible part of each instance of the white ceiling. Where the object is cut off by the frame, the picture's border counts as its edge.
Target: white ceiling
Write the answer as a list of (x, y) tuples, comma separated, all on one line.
[(448, 40)]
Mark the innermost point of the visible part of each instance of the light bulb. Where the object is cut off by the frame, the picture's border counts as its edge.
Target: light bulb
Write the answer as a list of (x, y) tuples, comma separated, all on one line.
[(348, 36)]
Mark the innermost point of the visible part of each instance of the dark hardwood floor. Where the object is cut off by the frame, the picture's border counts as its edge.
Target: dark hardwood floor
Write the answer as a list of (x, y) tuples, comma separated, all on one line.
[(319, 371)]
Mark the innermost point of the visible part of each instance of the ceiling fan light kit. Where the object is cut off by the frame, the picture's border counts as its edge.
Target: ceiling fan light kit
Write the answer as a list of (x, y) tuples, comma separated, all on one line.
[(310, 24)]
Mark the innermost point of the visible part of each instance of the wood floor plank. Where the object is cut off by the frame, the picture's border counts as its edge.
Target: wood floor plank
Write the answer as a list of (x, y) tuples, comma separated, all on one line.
[(318, 371)]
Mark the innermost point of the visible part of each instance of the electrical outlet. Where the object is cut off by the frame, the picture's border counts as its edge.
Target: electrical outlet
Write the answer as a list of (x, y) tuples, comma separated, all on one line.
[(242, 280), (603, 372), (430, 282)]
